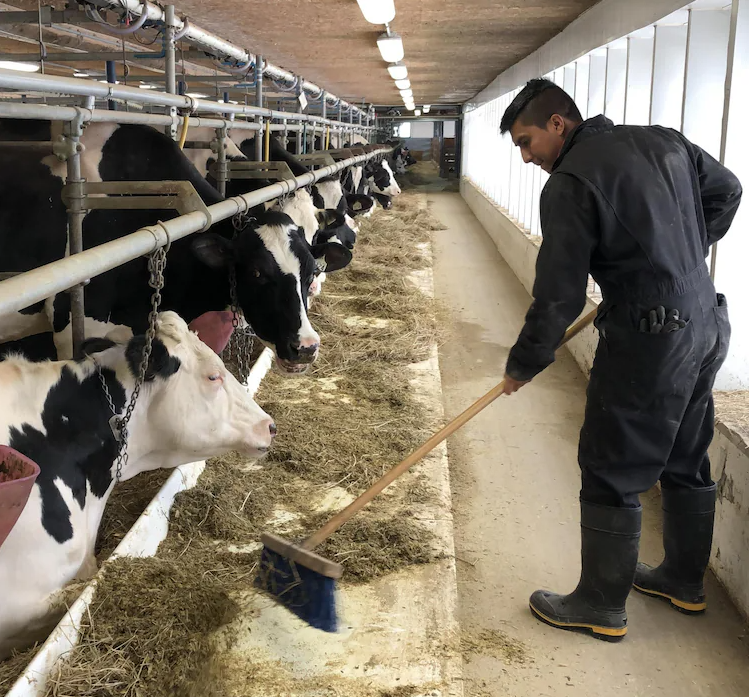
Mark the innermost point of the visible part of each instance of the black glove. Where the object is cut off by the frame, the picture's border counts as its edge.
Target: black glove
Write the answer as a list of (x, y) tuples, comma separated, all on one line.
[(659, 321)]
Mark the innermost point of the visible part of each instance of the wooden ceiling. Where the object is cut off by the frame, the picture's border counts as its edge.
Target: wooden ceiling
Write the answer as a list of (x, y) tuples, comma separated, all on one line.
[(453, 49)]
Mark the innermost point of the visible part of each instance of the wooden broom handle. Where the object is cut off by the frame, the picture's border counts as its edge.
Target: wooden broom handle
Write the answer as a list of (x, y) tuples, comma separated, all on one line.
[(446, 431)]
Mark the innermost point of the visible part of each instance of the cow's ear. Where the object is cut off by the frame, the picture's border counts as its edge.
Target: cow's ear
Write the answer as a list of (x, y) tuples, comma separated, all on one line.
[(323, 217), (336, 256), (160, 363), (213, 250)]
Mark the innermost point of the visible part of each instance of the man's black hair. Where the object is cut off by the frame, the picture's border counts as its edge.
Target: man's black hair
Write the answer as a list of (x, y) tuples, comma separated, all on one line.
[(537, 102)]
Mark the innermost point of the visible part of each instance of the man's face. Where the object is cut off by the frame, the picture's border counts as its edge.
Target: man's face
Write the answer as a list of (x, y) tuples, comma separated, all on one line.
[(541, 146)]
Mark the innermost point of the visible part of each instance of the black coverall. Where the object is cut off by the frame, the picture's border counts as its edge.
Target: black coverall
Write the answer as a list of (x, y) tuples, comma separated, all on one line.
[(637, 208)]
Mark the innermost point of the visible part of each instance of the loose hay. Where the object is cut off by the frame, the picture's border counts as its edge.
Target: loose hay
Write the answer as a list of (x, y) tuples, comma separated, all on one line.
[(147, 632), (377, 542), (492, 642), (128, 500), (733, 409), (13, 667), (353, 417)]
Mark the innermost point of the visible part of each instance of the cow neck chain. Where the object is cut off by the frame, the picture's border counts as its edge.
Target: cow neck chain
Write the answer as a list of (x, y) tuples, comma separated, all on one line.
[(119, 424), (242, 340)]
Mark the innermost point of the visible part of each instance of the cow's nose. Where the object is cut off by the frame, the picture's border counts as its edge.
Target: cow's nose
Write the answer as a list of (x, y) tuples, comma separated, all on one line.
[(273, 429), (309, 350)]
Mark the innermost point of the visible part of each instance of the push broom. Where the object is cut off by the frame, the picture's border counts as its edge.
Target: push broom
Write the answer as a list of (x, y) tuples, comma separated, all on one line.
[(303, 581)]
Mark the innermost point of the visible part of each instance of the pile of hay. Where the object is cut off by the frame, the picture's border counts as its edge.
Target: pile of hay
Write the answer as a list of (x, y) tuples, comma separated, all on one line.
[(353, 417), (13, 667), (732, 408)]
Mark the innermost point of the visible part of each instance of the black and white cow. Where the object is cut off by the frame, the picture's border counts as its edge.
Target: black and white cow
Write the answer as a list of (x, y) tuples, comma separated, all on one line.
[(308, 207), (275, 265), (56, 413), (381, 178)]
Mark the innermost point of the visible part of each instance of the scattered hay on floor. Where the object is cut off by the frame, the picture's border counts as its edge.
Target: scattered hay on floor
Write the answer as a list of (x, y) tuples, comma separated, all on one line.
[(147, 632), (377, 542), (14, 666), (732, 408), (128, 500), (494, 643), (232, 675)]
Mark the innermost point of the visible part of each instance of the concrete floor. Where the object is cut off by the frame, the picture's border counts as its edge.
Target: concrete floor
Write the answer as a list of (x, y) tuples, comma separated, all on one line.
[(515, 488)]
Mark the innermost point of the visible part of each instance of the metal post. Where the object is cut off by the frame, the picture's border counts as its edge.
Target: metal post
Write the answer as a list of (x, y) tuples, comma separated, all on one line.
[(73, 131), (219, 147), (259, 103), (299, 134), (170, 65), (325, 116), (340, 120), (112, 79)]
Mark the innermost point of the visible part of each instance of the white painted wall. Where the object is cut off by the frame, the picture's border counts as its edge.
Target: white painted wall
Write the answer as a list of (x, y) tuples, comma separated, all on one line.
[(732, 253), (729, 456), (668, 75), (604, 22)]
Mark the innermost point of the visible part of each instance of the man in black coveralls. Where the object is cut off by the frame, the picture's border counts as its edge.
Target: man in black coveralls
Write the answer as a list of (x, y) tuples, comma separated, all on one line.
[(637, 208)]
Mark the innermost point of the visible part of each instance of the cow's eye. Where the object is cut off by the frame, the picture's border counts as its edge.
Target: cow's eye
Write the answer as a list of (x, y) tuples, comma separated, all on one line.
[(257, 274), (215, 377)]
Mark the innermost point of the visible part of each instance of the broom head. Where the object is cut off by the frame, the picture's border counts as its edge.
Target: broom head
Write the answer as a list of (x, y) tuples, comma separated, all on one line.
[(301, 580)]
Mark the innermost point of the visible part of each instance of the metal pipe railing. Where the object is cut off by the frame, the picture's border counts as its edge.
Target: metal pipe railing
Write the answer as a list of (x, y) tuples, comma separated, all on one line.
[(26, 82), (37, 285), (196, 35), (70, 113)]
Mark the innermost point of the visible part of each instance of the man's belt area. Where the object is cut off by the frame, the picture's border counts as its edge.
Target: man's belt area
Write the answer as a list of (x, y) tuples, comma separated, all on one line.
[(647, 287)]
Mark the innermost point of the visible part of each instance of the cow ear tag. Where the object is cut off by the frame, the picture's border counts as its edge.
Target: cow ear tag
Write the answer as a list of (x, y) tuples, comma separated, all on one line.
[(114, 424)]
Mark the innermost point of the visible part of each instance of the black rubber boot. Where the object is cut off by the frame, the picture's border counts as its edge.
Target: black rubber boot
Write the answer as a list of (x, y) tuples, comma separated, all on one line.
[(610, 542), (688, 516)]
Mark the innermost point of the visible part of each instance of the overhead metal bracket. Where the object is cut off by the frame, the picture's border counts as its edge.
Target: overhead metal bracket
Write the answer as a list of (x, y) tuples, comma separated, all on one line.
[(179, 196), (340, 154), (62, 147), (241, 169), (318, 159)]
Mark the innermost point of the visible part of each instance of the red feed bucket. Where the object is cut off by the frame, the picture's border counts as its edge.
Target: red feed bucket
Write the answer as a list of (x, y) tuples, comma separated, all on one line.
[(17, 476)]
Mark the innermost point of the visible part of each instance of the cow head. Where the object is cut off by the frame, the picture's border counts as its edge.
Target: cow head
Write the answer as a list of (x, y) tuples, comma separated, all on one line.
[(300, 207), (382, 179), (190, 407), (275, 266)]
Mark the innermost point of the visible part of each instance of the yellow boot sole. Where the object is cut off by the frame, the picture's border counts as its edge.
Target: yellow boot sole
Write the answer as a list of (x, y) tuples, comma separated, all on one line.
[(599, 632), (680, 605)]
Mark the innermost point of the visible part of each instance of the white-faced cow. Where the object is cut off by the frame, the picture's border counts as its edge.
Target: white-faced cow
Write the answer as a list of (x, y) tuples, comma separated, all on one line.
[(274, 263), (57, 414)]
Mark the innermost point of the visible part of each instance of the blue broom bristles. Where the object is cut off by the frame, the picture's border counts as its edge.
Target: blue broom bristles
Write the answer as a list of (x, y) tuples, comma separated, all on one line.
[(308, 594)]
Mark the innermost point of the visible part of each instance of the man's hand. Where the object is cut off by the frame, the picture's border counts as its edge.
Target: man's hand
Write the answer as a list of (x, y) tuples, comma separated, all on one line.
[(512, 385)]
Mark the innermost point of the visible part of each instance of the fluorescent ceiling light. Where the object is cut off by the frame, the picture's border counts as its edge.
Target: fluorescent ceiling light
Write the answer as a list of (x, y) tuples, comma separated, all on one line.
[(391, 47), (427, 108), (146, 86), (21, 67), (196, 95), (398, 71), (81, 73), (417, 112), (377, 11), (106, 82), (403, 84), (407, 93)]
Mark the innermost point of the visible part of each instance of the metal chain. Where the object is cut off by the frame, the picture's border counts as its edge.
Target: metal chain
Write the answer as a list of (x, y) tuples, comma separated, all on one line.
[(118, 424), (242, 339)]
